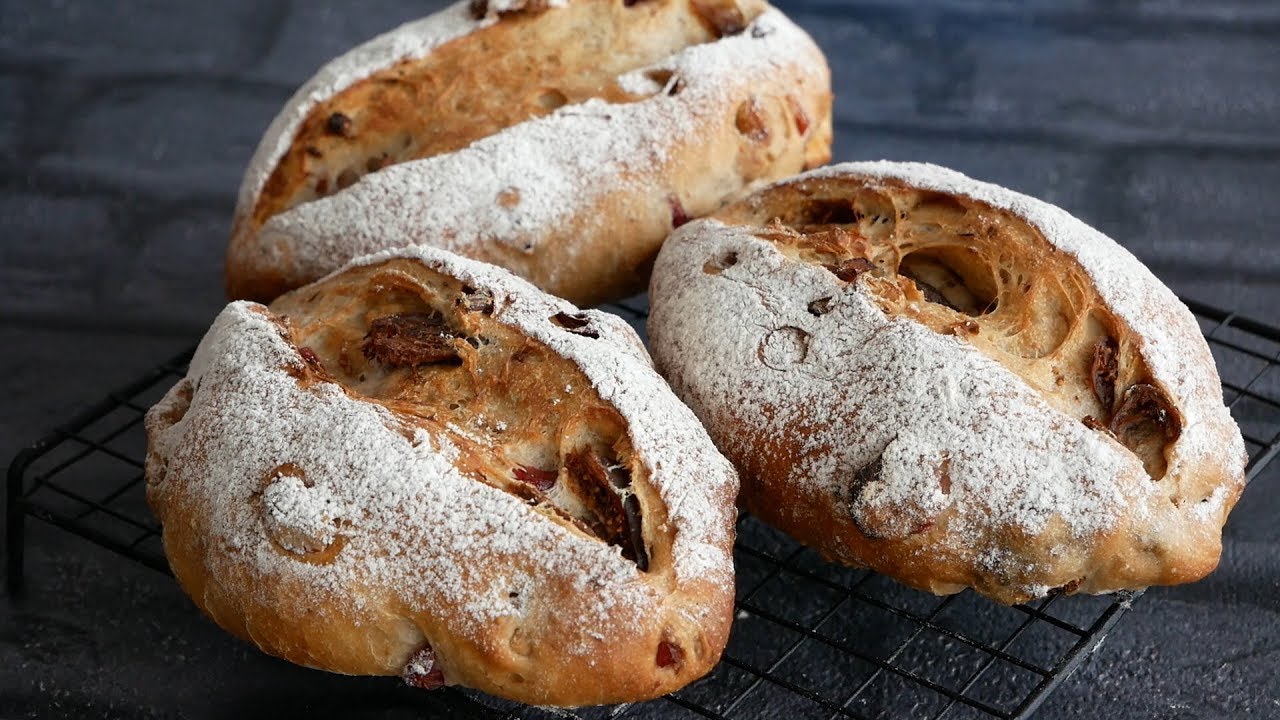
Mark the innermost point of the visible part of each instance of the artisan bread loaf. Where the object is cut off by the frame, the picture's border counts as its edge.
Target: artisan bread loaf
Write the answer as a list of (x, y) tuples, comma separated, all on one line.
[(424, 466), (561, 140), (951, 383)]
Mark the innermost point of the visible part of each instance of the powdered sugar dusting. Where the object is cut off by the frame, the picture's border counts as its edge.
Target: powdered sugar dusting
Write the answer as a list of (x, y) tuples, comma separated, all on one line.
[(412, 40), (555, 164), (410, 522)]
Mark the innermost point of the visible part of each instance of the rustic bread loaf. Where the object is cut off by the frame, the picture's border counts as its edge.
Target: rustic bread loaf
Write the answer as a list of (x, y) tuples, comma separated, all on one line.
[(424, 466), (561, 140), (951, 383)]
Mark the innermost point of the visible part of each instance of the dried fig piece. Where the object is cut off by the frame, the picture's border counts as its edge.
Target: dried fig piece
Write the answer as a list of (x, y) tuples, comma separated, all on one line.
[(889, 522), (865, 475), (605, 489), (821, 306), (421, 671), (1070, 587), (480, 9), (750, 121), (347, 178), (473, 300), (1104, 372), (409, 340), (1095, 424), (576, 323), (338, 124), (720, 17), (1146, 423), (828, 211), (964, 327), (849, 270)]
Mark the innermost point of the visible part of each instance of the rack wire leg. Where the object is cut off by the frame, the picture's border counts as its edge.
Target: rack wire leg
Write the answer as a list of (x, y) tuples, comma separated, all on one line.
[(15, 525)]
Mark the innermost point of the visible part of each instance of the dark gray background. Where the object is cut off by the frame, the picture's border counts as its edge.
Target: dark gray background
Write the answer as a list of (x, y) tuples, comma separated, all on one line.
[(125, 127)]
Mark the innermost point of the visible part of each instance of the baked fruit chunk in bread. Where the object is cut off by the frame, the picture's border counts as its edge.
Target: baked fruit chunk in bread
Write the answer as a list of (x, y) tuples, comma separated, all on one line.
[(561, 140), (950, 383), (424, 466)]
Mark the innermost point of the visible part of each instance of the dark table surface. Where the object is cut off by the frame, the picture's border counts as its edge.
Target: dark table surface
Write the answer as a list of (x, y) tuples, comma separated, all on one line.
[(125, 126)]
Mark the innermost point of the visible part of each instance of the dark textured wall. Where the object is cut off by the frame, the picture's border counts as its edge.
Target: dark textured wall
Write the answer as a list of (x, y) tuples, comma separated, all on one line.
[(125, 126)]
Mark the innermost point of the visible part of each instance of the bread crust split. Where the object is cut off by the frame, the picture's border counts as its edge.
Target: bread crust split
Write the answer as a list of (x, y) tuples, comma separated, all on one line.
[(423, 466), (562, 141), (950, 383)]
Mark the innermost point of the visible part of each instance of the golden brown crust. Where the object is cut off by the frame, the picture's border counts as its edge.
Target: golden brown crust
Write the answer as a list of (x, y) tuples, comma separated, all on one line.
[(415, 458), (661, 110), (955, 385)]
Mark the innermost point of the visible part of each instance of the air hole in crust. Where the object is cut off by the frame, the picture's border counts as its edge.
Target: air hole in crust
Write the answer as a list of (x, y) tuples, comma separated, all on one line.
[(826, 211), (552, 99), (718, 265), (956, 277), (875, 214), (784, 347)]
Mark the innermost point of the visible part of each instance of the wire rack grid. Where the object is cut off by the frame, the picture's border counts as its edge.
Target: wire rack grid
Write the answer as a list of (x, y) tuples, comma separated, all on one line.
[(811, 639)]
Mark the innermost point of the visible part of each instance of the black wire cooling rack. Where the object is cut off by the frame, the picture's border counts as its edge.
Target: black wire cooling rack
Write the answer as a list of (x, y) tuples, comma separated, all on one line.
[(811, 639)]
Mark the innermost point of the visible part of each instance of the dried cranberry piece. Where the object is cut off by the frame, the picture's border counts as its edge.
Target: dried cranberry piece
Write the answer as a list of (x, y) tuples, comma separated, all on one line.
[(421, 671), (543, 480), (669, 654), (797, 112), (310, 356), (678, 215)]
